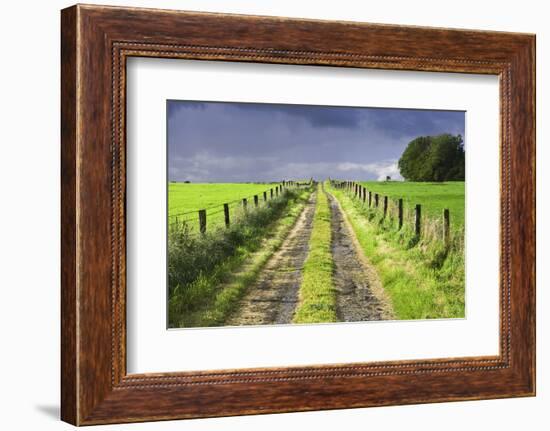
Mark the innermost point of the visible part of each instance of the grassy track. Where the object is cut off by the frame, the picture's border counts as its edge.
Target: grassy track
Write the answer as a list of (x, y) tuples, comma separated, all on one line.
[(185, 198), (434, 197), (424, 279), (317, 297), (197, 270)]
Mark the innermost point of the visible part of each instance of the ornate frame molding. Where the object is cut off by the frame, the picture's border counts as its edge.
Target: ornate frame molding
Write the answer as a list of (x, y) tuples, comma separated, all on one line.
[(96, 41)]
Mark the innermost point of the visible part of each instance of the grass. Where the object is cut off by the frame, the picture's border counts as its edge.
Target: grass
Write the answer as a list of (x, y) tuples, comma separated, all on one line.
[(434, 197), (317, 296), (185, 200), (423, 277), (203, 286)]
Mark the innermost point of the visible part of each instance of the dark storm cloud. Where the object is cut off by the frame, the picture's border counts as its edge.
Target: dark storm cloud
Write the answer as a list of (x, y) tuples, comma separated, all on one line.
[(213, 141), (316, 116)]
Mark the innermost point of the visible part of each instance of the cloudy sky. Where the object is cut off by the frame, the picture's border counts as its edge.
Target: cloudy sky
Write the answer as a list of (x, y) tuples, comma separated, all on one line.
[(240, 142)]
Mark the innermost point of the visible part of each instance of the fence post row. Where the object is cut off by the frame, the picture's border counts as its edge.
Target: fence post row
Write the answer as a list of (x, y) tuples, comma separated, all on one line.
[(202, 221), (227, 220), (361, 191)]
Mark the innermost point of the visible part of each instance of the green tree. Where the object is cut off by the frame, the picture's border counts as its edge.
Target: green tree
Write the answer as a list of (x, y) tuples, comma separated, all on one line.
[(433, 158)]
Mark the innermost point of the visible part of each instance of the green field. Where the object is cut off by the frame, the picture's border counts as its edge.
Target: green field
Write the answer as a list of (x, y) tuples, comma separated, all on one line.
[(434, 197), (185, 200), (423, 275)]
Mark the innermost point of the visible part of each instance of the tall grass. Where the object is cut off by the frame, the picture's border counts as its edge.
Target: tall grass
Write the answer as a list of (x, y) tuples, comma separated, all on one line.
[(423, 276), (317, 296), (198, 264)]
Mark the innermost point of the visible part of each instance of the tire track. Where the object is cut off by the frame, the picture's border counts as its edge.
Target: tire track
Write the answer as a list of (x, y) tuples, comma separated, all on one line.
[(273, 297), (360, 295)]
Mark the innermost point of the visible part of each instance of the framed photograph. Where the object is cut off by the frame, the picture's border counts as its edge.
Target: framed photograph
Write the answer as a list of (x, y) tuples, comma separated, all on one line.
[(265, 215)]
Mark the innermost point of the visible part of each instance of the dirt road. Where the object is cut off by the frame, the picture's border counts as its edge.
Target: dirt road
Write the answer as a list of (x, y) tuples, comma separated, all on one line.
[(360, 296), (272, 298)]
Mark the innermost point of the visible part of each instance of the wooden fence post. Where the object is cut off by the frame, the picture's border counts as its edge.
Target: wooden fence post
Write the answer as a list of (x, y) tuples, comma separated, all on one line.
[(226, 214), (370, 199), (265, 196), (245, 204), (256, 201), (446, 226), (417, 216), (385, 206), (202, 221), (271, 193), (277, 191), (376, 198), (364, 195), (400, 212)]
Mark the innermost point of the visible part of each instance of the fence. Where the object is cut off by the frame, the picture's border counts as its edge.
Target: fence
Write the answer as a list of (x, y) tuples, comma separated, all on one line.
[(393, 208), (228, 213)]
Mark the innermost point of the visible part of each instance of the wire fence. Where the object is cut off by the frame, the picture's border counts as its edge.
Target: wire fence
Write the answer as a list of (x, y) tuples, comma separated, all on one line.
[(226, 214), (403, 213)]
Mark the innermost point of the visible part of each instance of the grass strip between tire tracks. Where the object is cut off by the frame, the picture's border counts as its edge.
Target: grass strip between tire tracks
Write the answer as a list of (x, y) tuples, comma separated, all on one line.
[(317, 297)]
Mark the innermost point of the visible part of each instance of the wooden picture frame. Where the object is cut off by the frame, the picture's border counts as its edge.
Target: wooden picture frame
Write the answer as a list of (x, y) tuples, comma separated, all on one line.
[(95, 43)]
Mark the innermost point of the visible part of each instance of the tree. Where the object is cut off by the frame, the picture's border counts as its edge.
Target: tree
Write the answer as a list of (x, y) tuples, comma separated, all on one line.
[(433, 158)]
